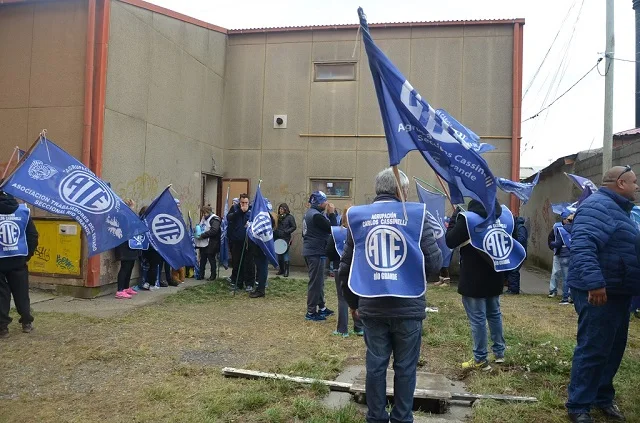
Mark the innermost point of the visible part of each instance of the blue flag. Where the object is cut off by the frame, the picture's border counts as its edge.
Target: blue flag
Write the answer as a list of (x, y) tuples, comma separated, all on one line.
[(196, 269), (559, 208), (51, 179), (522, 190), (464, 133), (168, 233), (260, 231), (21, 154), (410, 123), (224, 241), (435, 204), (582, 183)]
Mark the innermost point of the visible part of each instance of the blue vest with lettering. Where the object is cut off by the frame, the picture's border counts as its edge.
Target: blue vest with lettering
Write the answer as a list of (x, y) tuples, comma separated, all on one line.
[(496, 240), (139, 242), (561, 232), (387, 259), (13, 233), (339, 238)]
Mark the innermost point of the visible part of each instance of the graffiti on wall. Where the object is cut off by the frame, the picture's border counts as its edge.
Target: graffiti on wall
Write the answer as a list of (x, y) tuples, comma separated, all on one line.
[(141, 189)]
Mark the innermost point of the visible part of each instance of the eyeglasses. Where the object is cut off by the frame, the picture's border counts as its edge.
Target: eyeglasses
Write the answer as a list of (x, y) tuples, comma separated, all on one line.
[(627, 168)]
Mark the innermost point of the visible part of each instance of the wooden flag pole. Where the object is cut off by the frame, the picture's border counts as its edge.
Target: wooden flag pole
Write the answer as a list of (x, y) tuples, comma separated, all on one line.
[(404, 206), (445, 190), (6, 168)]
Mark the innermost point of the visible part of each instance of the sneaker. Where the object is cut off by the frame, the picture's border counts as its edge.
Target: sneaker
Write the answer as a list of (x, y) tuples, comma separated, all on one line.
[(136, 288), (164, 284), (325, 312), (314, 317), (510, 292), (475, 365), (248, 288), (344, 335), (552, 294), (121, 295), (564, 302), (4, 332), (146, 286), (358, 332), (256, 294), (438, 283), (131, 291), (154, 287), (174, 282), (27, 327), (499, 360)]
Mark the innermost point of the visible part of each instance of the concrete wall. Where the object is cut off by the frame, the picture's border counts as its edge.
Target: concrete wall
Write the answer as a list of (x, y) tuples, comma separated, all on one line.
[(466, 70), (42, 61), (163, 117)]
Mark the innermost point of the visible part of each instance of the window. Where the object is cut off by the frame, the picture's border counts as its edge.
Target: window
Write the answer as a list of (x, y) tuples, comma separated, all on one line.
[(335, 71), (332, 187)]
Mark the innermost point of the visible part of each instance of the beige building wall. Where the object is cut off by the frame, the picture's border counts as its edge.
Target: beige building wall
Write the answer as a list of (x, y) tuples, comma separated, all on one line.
[(163, 114), (42, 61), (465, 70)]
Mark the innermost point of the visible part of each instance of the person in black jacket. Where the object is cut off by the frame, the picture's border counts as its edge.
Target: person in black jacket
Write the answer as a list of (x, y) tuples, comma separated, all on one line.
[(14, 274), (286, 226), (521, 235), (208, 242), (391, 323), (243, 273), (480, 286), (127, 258)]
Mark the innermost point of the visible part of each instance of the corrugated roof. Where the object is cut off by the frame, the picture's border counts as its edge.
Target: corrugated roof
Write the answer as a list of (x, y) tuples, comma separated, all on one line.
[(415, 24), (628, 132)]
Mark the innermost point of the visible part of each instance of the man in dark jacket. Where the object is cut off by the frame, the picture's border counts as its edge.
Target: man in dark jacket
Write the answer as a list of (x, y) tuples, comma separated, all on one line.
[(391, 259), (243, 273), (209, 242), (285, 228), (559, 240), (316, 229), (604, 274), (18, 242), (521, 234), (480, 286)]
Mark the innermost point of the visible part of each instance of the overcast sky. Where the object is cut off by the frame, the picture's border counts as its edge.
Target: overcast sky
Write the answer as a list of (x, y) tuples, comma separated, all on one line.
[(572, 124)]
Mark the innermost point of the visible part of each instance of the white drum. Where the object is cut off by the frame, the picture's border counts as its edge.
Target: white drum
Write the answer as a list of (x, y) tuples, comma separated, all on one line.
[(281, 246)]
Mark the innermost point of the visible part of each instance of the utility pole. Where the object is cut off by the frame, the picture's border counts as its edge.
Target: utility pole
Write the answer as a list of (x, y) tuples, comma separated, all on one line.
[(607, 141)]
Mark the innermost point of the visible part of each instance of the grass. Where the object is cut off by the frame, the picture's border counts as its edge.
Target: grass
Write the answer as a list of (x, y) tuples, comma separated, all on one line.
[(161, 363)]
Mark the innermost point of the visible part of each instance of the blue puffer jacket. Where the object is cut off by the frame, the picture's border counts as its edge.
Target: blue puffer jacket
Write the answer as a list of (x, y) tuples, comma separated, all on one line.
[(604, 240)]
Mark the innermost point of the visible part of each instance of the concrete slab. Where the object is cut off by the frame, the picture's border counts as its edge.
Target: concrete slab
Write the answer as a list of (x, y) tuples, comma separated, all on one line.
[(534, 281)]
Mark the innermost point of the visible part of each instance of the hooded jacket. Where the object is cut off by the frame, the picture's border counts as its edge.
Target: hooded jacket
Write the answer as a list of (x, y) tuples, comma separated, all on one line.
[(558, 247), (286, 224), (478, 279), (9, 205), (391, 307)]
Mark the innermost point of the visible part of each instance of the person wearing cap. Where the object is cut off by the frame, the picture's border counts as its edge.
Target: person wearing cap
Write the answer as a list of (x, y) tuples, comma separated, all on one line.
[(604, 274), (14, 274), (559, 240), (316, 228)]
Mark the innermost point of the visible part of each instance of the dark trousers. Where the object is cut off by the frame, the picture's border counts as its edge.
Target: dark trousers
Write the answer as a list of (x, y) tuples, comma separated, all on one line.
[(243, 267), (167, 271), (124, 275), (315, 289), (155, 266), (513, 279), (262, 267), (343, 308), (204, 258), (382, 337), (15, 282), (601, 341)]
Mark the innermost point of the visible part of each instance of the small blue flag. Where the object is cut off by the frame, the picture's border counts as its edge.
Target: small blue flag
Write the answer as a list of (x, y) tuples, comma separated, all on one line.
[(168, 233), (21, 154), (435, 204), (582, 183), (522, 190), (260, 230), (224, 241), (559, 208), (410, 123), (51, 179)]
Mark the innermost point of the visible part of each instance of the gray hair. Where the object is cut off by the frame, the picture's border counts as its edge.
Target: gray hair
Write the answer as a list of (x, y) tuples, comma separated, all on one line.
[(386, 182)]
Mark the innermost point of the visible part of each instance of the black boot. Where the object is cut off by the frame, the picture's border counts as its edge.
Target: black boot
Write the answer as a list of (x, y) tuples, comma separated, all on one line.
[(286, 269), (280, 267)]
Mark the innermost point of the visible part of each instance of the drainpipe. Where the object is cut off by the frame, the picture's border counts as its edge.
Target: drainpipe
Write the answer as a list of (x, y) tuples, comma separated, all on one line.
[(516, 115), (636, 7)]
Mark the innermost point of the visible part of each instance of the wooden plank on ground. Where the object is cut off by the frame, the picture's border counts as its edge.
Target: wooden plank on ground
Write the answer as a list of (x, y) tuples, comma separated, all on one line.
[(253, 374), (509, 398)]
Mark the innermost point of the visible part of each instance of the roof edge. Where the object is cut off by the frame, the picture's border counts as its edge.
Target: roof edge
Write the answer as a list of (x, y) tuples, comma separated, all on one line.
[(378, 25), (173, 14)]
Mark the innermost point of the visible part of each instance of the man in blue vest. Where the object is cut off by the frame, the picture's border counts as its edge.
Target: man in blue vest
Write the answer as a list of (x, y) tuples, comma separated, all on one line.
[(604, 274), (383, 273), (559, 240), (316, 228), (18, 242)]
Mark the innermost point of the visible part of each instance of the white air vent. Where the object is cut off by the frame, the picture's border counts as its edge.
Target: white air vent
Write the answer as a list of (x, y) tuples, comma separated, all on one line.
[(67, 229), (280, 121)]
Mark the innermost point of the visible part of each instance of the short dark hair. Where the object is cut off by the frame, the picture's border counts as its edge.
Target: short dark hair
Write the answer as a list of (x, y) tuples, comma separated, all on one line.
[(244, 196)]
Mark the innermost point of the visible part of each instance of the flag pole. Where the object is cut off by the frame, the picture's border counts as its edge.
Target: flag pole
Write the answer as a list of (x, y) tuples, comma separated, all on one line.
[(24, 157), (6, 168), (430, 186), (404, 206)]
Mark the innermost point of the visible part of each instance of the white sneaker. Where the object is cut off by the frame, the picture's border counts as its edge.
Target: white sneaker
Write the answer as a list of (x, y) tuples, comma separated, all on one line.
[(552, 294)]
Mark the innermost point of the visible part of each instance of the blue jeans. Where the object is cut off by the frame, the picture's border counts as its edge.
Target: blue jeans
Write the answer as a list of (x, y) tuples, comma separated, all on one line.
[(382, 337), (480, 311), (601, 341), (560, 268)]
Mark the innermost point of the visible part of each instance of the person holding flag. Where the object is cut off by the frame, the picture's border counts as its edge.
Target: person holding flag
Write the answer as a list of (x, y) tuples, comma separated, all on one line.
[(243, 272), (559, 241), (383, 274), (260, 237)]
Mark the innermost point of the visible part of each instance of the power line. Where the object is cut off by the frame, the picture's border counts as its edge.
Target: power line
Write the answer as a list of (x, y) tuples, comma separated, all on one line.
[(563, 94)]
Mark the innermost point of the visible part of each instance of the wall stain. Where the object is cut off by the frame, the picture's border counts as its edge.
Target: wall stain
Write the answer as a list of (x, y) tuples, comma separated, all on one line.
[(141, 189)]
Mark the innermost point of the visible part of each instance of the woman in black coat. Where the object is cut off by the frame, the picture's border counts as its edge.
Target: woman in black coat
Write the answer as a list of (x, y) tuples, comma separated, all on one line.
[(285, 227), (127, 258)]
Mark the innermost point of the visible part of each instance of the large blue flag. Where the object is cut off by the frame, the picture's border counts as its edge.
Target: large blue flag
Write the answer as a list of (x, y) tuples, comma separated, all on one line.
[(410, 123), (260, 231), (435, 204), (168, 233), (51, 179), (224, 241), (522, 190)]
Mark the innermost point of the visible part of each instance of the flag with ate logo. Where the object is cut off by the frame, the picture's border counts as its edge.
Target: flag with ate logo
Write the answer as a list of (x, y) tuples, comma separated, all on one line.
[(410, 123), (522, 190), (435, 215), (168, 233), (52, 180), (260, 229)]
